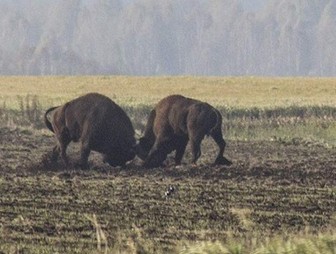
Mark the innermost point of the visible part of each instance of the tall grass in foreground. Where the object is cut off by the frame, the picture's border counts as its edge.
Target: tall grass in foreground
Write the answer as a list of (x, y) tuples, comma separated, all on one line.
[(134, 243), (291, 244), (29, 114), (322, 244)]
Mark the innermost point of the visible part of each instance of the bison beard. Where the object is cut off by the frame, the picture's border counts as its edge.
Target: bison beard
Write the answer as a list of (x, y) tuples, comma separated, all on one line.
[(98, 124), (175, 121)]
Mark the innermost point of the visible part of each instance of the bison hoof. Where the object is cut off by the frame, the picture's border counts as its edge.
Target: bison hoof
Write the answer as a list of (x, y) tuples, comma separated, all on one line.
[(82, 166), (152, 165), (223, 161)]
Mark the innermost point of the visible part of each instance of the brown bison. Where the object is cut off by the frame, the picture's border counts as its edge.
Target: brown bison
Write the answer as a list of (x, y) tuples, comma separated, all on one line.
[(175, 121), (98, 123)]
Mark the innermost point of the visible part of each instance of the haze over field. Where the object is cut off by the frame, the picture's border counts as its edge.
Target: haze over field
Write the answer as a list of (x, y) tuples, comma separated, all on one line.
[(168, 37)]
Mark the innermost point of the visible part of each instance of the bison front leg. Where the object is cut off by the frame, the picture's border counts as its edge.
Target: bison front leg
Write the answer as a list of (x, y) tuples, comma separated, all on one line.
[(85, 152), (57, 151), (157, 154), (181, 145)]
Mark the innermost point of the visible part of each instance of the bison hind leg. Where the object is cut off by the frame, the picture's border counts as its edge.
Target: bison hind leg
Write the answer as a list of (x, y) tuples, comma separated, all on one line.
[(195, 143), (218, 138)]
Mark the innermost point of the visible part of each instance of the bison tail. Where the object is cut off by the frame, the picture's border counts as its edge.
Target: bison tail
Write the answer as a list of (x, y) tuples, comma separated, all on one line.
[(47, 121)]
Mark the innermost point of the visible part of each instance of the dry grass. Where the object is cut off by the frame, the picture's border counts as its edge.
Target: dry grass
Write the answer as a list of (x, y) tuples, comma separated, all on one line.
[(298, 244), (237, 92)]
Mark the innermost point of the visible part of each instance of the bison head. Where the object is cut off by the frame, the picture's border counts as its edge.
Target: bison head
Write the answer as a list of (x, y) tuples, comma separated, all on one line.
[(119, 158)]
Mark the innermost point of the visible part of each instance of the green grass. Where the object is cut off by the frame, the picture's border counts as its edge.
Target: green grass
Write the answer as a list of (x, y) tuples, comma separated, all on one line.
[(254, 108), (310, 124)]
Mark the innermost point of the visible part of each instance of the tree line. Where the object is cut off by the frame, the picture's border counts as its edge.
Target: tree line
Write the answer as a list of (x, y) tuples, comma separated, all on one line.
[(167, 37)]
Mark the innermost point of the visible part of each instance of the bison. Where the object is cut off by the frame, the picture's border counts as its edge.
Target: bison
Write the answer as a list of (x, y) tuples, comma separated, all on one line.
[(98, 124), (175, 121)]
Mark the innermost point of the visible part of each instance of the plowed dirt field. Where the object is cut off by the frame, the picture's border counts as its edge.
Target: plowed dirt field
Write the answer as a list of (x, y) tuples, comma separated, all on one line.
[(272, 187)]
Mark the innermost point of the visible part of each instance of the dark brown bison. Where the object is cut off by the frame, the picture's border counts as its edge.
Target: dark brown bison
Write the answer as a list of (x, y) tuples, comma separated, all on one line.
[(98, 123), (175, 121)]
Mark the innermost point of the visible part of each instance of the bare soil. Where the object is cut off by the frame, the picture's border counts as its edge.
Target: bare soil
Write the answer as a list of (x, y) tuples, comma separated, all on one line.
[(272, 187)]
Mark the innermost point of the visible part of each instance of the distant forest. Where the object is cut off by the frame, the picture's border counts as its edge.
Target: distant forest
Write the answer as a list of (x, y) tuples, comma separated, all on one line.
[(167, 37)]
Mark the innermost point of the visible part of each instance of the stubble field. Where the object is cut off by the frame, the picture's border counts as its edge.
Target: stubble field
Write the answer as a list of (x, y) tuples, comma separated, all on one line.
[(281, 184)]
